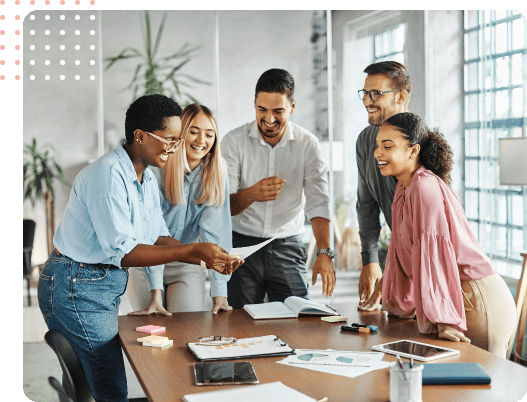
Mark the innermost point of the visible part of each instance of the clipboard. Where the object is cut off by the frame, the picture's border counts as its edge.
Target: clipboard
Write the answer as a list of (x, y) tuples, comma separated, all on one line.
[(261, 346)]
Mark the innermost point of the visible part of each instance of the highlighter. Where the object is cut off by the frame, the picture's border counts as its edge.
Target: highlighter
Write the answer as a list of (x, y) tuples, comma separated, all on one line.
[(373, 328), (355, 329)]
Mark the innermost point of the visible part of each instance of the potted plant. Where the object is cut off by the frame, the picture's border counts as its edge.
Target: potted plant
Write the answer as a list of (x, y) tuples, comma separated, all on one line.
[(156, 74), (40, 172)]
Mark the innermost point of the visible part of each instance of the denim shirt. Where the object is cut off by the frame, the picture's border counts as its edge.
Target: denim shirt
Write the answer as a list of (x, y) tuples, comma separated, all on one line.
[(191, 223), (109, 212)]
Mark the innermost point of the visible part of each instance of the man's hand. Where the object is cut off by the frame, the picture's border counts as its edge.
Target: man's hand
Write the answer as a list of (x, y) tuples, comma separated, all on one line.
[(220, 303), (324, 266), (217, 258), (447, 332), (372, 303), (267, 189), (369, 276), (155, 305)]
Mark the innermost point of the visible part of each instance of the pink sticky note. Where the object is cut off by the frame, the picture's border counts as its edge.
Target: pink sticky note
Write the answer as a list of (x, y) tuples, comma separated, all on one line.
[(151, 329)]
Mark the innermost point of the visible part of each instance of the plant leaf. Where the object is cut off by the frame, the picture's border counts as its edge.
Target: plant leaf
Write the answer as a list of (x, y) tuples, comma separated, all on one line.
[(160, 32), (148, 44)]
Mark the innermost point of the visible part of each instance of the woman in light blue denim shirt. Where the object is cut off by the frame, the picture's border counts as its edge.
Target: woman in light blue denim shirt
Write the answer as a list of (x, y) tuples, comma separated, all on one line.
[(113, 220), (196, 209)]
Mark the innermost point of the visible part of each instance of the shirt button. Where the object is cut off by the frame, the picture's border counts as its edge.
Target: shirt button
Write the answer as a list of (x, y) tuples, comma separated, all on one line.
[(74, 280)]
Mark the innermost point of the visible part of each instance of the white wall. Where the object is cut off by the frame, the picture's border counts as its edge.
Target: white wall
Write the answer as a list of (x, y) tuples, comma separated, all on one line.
[(64, 113)]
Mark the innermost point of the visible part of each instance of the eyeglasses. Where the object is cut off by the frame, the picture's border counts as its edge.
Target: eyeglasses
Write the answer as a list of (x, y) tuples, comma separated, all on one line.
[(216, 340), (374, 95), (171, 145)]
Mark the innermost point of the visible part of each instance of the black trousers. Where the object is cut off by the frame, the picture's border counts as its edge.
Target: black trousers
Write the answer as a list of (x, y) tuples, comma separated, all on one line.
[(278, 269)]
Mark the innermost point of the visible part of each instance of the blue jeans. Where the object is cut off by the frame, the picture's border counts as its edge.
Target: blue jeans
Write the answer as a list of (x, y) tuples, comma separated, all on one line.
[(82, 301)]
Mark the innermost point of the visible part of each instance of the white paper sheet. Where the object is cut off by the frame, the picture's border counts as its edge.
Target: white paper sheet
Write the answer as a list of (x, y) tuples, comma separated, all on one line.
[(244, 252), (274, 391), (345, 363)]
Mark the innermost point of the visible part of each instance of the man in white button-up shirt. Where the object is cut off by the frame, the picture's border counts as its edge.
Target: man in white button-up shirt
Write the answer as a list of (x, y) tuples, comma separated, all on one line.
[(276, 175)]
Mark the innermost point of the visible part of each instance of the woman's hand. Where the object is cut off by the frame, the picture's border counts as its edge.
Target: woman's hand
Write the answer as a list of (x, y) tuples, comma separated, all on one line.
[(374, 301), (217, 258), (447, 332), (220, 303), (155, 305)]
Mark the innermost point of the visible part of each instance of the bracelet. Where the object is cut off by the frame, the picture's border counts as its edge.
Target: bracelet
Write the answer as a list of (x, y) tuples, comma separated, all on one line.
[(203, 265)]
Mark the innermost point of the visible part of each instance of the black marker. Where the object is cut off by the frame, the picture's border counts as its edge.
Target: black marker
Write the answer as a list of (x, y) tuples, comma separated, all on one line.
[(355, 329)]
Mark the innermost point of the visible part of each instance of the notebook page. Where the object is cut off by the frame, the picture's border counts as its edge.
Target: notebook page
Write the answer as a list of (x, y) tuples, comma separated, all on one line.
[(270, 310)]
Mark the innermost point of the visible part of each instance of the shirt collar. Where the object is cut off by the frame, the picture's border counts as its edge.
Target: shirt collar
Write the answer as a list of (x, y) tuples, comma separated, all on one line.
[(288, 135), (129, 166), (193, 174)]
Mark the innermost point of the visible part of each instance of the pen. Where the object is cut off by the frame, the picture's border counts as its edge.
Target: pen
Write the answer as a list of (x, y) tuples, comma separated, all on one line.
[(328, 306), (373, 328), (400, 362), (355, 329)]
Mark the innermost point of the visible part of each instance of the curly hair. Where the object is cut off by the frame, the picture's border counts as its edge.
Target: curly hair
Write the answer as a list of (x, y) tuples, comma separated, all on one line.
[(148, 113), (435, 155), (276, 80)]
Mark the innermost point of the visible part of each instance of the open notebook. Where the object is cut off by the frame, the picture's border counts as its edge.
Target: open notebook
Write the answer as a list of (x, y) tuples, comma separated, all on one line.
[(274, 391), (292, 307)]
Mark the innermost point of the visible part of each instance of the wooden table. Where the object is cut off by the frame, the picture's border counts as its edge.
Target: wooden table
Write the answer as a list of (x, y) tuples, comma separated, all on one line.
[(167, 375)]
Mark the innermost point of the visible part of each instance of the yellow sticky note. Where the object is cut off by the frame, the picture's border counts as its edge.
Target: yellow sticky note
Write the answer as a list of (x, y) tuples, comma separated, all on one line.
[(152, 338), (334, 319)]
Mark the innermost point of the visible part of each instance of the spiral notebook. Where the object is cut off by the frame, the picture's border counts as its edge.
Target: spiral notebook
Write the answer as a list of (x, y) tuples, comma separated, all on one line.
[(273, 391)]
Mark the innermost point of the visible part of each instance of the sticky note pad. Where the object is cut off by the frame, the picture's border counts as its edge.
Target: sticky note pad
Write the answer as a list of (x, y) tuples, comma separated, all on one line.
[(334, 319), (160, 344), (151, 329), (152, 338)]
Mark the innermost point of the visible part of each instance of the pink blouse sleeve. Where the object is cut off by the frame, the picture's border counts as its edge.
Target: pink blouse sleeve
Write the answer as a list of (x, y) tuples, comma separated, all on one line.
[(436, 284)]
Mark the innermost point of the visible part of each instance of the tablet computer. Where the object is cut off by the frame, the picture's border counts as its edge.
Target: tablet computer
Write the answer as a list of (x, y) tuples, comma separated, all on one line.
[(224, 373), (417, 350)]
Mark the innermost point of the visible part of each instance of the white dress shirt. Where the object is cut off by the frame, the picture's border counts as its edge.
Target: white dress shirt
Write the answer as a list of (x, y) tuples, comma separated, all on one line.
[(296, 158)]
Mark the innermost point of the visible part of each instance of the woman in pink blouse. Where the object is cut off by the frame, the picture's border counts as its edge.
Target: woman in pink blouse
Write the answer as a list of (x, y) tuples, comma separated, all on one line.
[(435, 269)]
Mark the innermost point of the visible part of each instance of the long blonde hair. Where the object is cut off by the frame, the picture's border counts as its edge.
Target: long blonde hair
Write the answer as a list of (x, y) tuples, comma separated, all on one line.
[(212, 189)]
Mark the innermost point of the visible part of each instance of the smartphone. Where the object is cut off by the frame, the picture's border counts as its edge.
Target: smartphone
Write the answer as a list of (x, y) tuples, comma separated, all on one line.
[(224, 373)]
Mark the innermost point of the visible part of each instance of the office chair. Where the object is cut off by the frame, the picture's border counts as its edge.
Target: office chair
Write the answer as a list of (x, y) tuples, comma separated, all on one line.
[(74, 376), (29, 235), (63, 396)]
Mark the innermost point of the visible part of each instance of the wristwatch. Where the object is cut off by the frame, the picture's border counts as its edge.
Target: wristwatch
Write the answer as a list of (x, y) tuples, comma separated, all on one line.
[(329, 252)]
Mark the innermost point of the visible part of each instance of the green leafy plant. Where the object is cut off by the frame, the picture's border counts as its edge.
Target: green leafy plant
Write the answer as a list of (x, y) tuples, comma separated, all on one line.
[(156, 74), (40, 172)]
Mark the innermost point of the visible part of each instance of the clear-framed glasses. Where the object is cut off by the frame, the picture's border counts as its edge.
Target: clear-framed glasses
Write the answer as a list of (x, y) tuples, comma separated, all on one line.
[(374, 95), (171, 145), (216, 340)]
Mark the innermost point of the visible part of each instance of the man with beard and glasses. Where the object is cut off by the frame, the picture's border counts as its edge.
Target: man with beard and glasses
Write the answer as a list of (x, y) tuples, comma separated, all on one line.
[(276, 174), (386, 92)]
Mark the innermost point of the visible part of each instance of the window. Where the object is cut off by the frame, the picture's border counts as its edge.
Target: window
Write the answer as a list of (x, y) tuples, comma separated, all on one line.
[(389, 45), (494, 73)]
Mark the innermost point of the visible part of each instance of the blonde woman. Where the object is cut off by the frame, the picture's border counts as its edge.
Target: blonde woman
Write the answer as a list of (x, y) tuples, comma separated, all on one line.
[(196, 209)]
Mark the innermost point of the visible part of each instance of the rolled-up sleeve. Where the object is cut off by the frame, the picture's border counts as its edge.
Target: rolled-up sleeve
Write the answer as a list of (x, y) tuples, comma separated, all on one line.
[(368, 211), (230, 153), (316, 187)]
